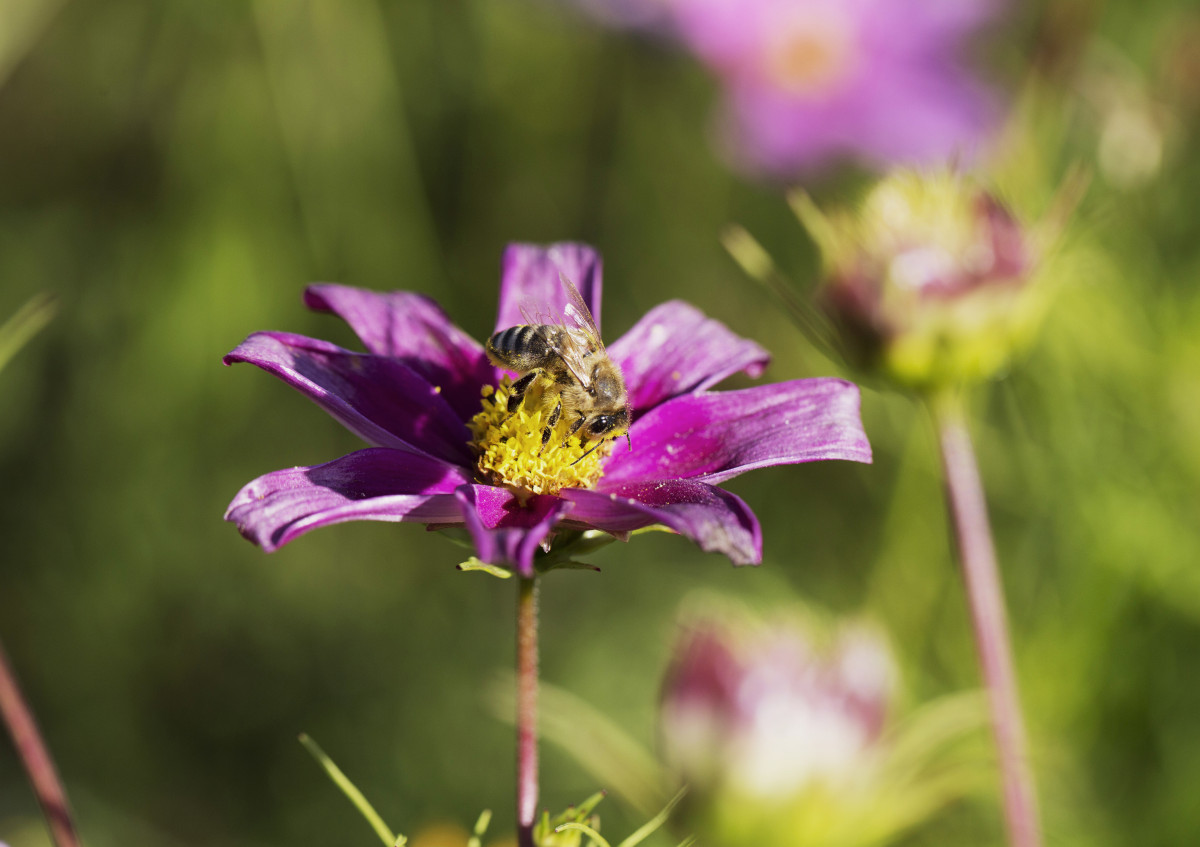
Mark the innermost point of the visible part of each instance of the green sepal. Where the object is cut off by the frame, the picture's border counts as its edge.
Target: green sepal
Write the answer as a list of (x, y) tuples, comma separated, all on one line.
[(565, 565), (568, 546), (474, 564), (455, 535), (654, 527)]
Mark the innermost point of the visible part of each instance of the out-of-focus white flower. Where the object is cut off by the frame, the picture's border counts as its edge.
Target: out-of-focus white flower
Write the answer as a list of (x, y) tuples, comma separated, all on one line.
[(782, 738)]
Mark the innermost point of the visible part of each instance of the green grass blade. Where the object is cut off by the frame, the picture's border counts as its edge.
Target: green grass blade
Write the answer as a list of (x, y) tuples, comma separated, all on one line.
[(352, 793), (586, 830), (481, 825), (651, 826), (25, 324)]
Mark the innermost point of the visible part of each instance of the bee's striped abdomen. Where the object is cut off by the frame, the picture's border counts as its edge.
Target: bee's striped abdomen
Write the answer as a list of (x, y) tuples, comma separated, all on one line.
[(520, 348)]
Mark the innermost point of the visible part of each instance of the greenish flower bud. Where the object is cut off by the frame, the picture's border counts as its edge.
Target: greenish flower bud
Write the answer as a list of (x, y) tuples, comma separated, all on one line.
[(783, 737), (930, 283)]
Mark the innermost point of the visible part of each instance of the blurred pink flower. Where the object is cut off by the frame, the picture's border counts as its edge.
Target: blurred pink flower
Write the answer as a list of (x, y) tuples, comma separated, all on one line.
[(810, 82), (787, 739), (764, 713)]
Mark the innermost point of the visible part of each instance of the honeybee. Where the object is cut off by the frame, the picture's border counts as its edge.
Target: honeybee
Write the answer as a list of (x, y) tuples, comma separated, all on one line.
[(580, 380)]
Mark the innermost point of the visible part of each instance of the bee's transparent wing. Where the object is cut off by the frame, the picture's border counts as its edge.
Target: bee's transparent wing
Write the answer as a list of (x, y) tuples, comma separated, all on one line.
[(538, 314), (579, 340), (581, 329), (578, 314)]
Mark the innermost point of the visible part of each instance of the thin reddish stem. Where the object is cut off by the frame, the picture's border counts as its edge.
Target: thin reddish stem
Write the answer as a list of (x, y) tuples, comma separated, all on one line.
[(527, 710), (985, 596), (35, 757)]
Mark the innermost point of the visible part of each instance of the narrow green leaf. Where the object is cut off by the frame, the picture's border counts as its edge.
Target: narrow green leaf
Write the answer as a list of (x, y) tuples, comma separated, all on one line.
[(473, 564), (604, 749), (822, 232), (586, 830), (936, 725), (481, 825), (587, 806), (353, 794), (26, 323), (688, 842), (649, 827), (759, 266)]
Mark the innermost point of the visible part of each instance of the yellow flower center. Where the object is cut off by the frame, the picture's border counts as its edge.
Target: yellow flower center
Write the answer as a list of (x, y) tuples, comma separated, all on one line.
[(510, 452), (810, 54)]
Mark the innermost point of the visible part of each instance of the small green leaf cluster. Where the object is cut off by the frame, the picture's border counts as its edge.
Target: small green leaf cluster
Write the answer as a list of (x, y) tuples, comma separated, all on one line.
[(569, 828)]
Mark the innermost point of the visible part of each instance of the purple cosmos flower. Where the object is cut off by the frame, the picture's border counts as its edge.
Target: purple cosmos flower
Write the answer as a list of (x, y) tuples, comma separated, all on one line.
[(808, 82), (416, 396)]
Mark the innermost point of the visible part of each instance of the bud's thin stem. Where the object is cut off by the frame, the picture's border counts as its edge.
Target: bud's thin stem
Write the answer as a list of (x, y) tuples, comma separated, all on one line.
[(527, 711), (985, 596), (36, 758)]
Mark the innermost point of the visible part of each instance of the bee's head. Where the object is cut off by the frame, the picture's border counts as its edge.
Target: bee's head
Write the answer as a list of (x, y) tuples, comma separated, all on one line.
[(604, 426), (608, 424)]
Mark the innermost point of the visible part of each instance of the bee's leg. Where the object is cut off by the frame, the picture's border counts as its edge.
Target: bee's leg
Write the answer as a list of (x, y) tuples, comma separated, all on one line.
[(517, 392), (574, 428), (550, 424)]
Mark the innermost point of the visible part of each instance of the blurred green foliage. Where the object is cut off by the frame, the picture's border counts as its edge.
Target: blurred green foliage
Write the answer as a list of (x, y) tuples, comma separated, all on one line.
[(175, 172)]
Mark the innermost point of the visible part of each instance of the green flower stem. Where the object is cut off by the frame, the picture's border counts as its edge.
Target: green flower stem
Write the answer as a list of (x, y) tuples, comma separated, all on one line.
[(527, 711), (985, 596), (36, 758)]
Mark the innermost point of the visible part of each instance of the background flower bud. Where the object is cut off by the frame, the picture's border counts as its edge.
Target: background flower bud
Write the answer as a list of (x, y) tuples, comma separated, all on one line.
[(930, 281), (766, 726)]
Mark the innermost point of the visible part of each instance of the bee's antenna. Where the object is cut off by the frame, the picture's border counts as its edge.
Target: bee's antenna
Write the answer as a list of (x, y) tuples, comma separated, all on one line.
[(585, 455)]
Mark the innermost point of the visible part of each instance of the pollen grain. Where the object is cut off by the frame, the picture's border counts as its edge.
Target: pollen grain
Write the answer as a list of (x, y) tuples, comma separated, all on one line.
[(509, 448)]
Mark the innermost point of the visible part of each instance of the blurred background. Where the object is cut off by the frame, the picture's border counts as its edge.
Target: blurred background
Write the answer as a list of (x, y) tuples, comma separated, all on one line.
[(176, 172)]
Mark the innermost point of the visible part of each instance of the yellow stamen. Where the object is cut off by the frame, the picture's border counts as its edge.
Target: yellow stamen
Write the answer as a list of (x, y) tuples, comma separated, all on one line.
[(509, 446)]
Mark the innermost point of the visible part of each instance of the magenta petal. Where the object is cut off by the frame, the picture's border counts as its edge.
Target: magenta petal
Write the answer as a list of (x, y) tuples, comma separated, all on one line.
[(716, 436), (375, 484), (506, 533), (414, 329), (529, 278), (716, 520), (379, 399), (675, 349)]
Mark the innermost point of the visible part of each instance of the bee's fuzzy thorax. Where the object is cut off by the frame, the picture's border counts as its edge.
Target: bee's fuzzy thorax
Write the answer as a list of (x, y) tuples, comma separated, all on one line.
[(510, 453)]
